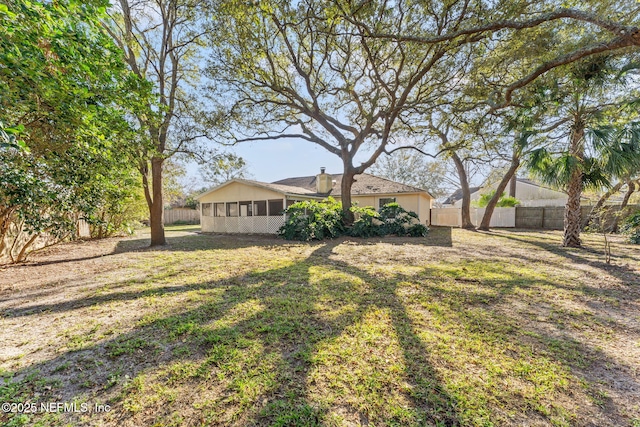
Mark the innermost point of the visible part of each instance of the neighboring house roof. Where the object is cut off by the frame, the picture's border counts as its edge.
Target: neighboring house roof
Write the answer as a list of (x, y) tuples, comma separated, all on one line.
[(457, 195), (364, 184), (535, 184)]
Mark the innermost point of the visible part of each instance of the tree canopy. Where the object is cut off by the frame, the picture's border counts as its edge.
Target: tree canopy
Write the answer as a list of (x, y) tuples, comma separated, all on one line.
[(65, 92)]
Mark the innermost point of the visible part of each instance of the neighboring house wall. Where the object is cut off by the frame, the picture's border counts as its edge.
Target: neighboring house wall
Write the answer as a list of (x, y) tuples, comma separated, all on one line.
[(529, 195), (474, 198), (527, 191)]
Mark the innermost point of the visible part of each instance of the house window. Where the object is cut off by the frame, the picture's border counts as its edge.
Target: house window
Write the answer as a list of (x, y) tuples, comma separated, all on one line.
[(232, 209), (385, 201), (290, 202), (218, 209), (275, 207), (260, 208), (206, 209), (245, 209)]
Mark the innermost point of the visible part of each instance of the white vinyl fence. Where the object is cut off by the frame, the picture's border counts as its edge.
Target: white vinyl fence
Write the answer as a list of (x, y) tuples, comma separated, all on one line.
[(452, 217)]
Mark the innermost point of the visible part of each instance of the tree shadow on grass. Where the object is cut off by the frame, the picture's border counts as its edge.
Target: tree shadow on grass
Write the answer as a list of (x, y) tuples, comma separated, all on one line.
[(438, 236), (255, 352), (242, 358), (626, 275), (483, 307)]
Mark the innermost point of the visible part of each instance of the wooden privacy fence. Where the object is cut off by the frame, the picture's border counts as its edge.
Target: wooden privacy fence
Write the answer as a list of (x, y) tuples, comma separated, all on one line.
[(549, 217), (189, 216)]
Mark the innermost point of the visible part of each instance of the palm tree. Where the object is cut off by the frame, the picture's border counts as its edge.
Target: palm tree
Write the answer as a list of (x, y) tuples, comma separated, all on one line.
[(600, 142)]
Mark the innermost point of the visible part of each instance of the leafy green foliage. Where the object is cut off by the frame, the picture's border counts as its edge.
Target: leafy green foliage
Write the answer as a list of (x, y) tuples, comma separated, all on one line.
[(503, 202), (367, 222), (30, 199), (45, 197), (400, 222), (65, 140), (631, 227), (313, 220), (8, 137)]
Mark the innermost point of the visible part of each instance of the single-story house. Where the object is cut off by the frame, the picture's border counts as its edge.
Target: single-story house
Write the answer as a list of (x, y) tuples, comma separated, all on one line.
[(245, 206), (528, 193)]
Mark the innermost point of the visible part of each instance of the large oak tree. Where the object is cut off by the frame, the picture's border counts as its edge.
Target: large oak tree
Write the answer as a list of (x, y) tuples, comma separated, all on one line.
[(161, 41), (352, 76)]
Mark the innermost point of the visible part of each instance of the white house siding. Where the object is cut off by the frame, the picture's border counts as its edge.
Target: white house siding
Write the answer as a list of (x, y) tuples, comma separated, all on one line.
[(528, 192), (475, 196)]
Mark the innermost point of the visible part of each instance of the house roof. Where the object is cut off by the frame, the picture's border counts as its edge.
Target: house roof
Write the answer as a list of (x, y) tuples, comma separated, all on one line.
[(457, 195), (306, 186), (285, 189), (364, 184)]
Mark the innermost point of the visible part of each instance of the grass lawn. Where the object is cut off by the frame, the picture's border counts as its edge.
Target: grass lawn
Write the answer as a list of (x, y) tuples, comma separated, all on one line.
[(456, 329)]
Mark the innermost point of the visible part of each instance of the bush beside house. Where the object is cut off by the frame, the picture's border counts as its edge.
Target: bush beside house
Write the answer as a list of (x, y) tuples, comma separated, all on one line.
[(313, 220), (631, 227)]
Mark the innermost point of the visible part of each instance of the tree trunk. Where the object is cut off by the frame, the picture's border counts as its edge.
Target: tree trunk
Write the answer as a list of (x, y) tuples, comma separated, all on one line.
[(508, 177), (23, 252), (512, 186), (345, 195), (625, 202), (572, 223), (596, 210), (466, 194), (156, 209)]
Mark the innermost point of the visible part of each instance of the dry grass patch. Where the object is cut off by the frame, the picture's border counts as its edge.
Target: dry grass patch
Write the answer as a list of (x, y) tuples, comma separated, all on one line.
[(455, 329)]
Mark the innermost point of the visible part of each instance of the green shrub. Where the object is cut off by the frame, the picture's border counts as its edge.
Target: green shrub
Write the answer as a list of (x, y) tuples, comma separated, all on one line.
[(401, 222), (392, 219), (503, 202), (507, 202), (631, 227), (312, 220), (367, 223)]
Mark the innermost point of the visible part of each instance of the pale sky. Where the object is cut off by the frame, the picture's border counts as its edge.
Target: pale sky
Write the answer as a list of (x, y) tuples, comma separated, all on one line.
[(270, 161)]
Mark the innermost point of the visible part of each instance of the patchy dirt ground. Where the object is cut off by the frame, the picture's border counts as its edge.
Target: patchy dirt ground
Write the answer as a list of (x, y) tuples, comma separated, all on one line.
[(458, 328)]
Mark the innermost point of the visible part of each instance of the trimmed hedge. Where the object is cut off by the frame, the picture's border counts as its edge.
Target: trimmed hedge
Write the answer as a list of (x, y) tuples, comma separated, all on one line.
[(312, 220)]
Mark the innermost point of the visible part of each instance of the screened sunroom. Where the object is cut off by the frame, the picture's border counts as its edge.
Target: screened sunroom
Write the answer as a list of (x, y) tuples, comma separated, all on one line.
[(243, 206)]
